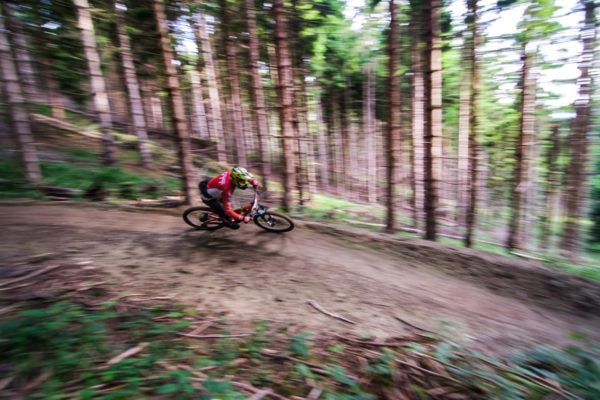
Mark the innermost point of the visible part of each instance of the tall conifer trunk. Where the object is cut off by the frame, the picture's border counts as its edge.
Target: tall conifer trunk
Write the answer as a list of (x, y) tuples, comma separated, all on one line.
[(433, 116), (394, 118), (11, 85), (98, 84), (576, 178), (258, 97), (133, 87), (286, 100), (182, 134)]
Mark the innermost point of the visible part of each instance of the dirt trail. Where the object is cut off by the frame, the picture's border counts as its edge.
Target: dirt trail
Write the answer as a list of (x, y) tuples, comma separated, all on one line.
[(253, 275)]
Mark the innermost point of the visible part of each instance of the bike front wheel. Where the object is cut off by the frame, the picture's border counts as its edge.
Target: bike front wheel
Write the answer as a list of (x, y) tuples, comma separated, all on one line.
[(274, 222), (202, 218)]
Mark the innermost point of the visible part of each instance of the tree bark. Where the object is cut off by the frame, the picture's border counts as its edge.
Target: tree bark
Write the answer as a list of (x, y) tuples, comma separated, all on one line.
[(98, 85), (418, 121), (550, 185), (22, 50), (286, 100), (133, 87), (522, 151), (258, 97), (322, 146), (7, 140), (370, 132), (463, 146), (17, 106), (215, 120), (577, 180), (473, 152), (198, 110), (394, 121), (179, 119), (433, 119), (232, 78)]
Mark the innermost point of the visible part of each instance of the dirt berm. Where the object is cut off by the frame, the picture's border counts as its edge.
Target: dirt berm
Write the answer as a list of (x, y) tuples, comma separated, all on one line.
[(526, 280)]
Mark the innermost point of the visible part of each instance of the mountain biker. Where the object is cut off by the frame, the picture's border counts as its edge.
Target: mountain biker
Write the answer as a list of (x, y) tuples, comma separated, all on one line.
[(217, 192)]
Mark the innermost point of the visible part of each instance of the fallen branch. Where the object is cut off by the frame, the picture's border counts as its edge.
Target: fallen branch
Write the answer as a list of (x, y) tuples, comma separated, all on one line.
[(249, 387), (314, 367), (127, 353), (314, 394), (279, 356), (370, 343), (318, 307), (213, 336), (527, 256), (429, 372), (538, 380), (410, 324), (204, 326), (40, 271), (260, 394), (41, 378)]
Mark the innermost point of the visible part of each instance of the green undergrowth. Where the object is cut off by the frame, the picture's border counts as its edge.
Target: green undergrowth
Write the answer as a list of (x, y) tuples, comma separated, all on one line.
[(84, 173), (66, 349), (323, 207)]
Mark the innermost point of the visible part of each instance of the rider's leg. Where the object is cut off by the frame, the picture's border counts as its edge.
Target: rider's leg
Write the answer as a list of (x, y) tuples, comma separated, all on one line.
[(217, 207)]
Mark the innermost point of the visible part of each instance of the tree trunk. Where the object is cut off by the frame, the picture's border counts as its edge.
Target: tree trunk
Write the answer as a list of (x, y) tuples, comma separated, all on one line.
[(22, 52), (345, 122), (394, 121), (258, 97), (52, 95), (17, 106), (198, 111), (522, 151), (322, 146), (286, 100), (433, 119), (577, 179), (337, 142), (215, 120), (550, 185), (98, 85), (232, 78), (307, 142), (179, 120), (418, 123), (133, 87), (275, 125), (462, 194), (117, 99), (7, 139), (370, 132), (473, 152)]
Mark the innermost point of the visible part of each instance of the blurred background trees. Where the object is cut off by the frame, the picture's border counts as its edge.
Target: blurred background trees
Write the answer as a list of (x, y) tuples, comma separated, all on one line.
[(466, 120)]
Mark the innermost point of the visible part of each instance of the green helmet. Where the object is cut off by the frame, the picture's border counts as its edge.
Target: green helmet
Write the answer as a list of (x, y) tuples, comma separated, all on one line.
[(240, 177)]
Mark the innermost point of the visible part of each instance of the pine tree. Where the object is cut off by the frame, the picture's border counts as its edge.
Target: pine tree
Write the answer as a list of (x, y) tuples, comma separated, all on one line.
[(182, 134), (18, 108), (98, 84)]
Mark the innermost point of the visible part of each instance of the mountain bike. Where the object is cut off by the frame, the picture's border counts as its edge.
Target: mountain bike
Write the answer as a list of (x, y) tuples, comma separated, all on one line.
[(203, 218)]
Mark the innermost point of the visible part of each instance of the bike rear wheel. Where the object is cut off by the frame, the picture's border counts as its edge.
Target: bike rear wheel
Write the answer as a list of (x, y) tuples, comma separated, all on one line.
[(202, 218), (274, 222)]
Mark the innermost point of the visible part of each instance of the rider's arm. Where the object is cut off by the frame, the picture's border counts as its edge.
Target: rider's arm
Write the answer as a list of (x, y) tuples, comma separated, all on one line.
[(254, 182), (227, 206)]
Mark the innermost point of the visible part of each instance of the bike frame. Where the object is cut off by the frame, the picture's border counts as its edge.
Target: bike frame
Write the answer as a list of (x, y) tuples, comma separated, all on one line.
[(252, 209)]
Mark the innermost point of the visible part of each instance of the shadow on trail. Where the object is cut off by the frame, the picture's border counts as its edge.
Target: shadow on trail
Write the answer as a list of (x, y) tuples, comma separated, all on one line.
[(253, 245)]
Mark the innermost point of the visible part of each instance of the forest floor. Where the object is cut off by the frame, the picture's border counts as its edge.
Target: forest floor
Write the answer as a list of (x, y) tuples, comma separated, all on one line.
[(250, 275)]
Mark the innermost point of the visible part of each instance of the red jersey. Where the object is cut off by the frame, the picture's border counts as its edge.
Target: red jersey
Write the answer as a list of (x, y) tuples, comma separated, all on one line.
[(221, 187)]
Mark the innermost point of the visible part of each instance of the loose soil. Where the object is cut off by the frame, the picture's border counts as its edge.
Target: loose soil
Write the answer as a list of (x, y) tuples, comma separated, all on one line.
[(251, 275)]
